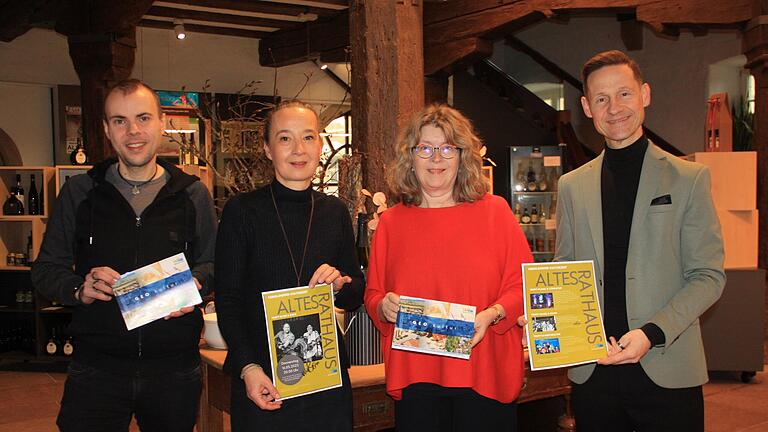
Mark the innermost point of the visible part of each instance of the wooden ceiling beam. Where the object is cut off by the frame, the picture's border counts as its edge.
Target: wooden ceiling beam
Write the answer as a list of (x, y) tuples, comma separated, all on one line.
[(265, 7), (197, 28), (188, 14), (445, 59), (313, 39), (461, 19), (76, 17)]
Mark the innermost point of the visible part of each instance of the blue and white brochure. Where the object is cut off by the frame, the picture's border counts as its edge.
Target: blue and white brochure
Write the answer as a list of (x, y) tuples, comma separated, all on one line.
[(434, 327), (154, 291)]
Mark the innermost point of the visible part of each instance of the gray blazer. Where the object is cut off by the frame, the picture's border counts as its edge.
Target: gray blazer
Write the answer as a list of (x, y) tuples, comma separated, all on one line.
[(674, 263)]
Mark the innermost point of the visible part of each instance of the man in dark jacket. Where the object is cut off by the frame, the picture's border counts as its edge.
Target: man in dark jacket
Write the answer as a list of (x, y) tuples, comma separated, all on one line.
[(124, 214)]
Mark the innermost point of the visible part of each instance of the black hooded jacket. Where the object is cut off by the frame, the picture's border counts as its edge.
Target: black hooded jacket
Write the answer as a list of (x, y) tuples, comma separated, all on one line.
[(92, 225)]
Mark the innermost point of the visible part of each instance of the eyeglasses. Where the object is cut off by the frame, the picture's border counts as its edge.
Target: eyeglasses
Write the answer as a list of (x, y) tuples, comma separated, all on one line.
[(424, 151)]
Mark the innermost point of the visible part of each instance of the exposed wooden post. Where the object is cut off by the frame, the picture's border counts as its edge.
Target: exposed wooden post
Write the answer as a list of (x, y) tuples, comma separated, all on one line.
[(100, 61), (387, 77), (755, 46)]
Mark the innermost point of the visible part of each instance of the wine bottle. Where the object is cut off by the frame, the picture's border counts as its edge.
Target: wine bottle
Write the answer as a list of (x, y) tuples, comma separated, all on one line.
[(542, 179), (362, 245), (13, 206), (33, 205), (68, 347), (534, 214), (42, 196), (531, 178), (517, 214), (29, 249), (520, 178), (78, 156), (52, 347), (18, 190), (526, 217)]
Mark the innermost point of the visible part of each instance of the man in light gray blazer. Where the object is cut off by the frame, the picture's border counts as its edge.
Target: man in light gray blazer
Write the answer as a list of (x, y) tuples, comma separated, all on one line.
[(646, 219)]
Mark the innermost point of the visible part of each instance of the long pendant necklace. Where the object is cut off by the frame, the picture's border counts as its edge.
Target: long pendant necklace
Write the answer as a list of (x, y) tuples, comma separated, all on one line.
[(296, 271), (135, 186)]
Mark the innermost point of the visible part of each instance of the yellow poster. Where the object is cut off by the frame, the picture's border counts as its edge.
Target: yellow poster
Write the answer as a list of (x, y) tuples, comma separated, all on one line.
[(304, 350), (565, 326)]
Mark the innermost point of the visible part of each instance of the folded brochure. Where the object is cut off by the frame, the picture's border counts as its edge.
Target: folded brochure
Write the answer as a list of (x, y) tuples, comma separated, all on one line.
[(565, 326), (434, 327), (154, 291), (301, 332)]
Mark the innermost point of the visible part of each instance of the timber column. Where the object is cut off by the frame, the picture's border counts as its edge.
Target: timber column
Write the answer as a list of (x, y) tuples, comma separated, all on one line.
[(101, 60), (387, 78), (755, 46)]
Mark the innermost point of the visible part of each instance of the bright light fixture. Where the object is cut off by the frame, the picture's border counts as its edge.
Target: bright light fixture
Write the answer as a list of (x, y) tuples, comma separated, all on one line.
[(178, 29)]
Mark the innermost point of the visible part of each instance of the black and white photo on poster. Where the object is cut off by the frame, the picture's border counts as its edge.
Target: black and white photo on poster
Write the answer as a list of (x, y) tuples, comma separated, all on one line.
[(299, 336)]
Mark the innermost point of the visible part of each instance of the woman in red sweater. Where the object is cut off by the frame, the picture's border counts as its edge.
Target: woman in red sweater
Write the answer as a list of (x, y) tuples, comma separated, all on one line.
[(448, 239)]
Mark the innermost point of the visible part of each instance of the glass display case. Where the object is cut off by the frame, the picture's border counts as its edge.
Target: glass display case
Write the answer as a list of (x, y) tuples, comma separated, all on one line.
[(534, 172)]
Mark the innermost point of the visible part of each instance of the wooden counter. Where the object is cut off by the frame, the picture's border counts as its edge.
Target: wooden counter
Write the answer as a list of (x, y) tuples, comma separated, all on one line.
[(373, 410)]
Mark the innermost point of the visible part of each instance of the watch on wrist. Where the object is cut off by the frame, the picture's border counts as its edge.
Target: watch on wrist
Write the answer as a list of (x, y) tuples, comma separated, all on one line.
[(498, 315), (78, 292)]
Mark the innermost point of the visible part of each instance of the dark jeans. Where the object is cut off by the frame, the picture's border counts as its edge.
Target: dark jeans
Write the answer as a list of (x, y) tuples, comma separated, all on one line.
[(623, 398), (430, 407), (99, 401)]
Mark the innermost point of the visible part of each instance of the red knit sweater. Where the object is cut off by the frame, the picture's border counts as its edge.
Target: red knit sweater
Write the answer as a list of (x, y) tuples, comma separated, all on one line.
[(470, 254)]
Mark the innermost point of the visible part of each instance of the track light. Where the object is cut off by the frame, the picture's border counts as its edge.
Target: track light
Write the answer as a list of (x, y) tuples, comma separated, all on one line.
[(178, 29)]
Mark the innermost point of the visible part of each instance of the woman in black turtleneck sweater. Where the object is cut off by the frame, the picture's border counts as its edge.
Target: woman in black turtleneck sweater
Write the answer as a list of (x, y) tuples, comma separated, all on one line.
[(281, 236)]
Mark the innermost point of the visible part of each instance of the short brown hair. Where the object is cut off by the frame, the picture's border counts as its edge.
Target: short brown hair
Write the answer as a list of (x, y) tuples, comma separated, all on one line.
[(609, 58), (290, 103), (470, 185), (129, 86)]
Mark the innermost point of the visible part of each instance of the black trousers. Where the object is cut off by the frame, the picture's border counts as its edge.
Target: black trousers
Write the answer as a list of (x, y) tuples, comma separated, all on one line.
[(97, 401), (329, 410), (429, 407), (623, 398)]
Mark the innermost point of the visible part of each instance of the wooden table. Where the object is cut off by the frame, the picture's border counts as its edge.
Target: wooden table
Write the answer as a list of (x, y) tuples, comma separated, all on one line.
[(373, 410)]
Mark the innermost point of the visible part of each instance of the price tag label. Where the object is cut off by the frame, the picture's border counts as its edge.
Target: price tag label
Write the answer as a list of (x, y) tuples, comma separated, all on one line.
[(551, 161), (550, 224)]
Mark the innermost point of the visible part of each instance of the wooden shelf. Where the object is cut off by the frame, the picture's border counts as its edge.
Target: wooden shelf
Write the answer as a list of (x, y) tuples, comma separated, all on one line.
[(15, 268), (17, 309), (22, 218)]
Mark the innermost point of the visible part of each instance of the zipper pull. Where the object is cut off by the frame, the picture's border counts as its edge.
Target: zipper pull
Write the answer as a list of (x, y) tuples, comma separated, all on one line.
[(138, 222)]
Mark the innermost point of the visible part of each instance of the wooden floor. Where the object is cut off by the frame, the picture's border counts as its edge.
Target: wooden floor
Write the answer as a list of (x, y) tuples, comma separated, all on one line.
[(30, 402)]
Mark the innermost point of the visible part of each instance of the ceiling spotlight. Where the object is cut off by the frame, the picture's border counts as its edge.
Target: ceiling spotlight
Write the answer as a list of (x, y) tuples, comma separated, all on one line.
[(178, 29)]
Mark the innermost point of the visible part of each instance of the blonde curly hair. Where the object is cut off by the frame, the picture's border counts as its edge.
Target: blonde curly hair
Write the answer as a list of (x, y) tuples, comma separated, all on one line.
[(470, 184)]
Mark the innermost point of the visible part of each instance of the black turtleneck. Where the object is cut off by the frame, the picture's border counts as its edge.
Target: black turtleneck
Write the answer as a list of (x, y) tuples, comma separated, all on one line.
[(252, 257), (620, 177)]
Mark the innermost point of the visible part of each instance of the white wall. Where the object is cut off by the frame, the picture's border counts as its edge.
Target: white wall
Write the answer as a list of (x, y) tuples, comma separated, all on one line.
[(677, 70), (41, 57), (25, 115)]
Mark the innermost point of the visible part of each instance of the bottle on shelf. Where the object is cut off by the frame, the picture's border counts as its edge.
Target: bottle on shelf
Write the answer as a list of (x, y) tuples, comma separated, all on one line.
[(520, 179), (526, 217), (534, 214), (28, 297), (362, 245), (78, 155), (52, 347), (20, 296), (541, 177), (531, 185), (18, 190), (33, 203), (29, 249), (541, 242), (553, 178), (68, 347), (13, 206), (517, 214), (42, 196)]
